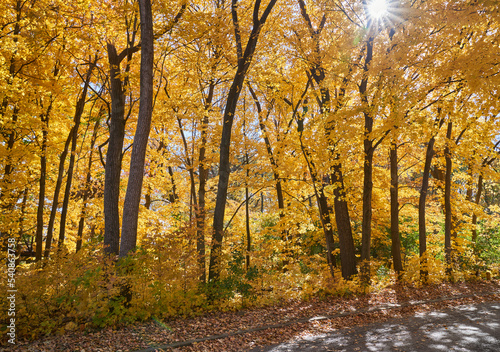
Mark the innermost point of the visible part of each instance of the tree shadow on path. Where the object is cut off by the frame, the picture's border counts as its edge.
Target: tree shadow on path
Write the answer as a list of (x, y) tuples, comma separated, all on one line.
[(465, 328)]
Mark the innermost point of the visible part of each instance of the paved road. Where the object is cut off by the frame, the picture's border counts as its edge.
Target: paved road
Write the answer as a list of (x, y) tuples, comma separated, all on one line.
[(466, 328)]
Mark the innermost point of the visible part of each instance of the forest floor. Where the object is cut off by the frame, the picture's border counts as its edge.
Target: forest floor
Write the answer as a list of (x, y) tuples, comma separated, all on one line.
[(247, 329)]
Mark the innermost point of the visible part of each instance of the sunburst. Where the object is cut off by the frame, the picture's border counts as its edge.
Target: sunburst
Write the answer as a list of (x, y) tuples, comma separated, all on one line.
[(377, 9)]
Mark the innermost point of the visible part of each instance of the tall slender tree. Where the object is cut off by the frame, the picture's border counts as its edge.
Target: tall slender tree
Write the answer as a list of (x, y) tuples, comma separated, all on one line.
[(244, 61), (136, 174)]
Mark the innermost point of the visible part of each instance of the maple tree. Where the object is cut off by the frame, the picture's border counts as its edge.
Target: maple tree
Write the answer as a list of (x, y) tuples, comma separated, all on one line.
[(232, 153)]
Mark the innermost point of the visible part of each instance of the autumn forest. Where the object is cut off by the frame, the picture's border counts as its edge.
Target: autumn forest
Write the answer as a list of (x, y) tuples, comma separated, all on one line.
[(163, 158)]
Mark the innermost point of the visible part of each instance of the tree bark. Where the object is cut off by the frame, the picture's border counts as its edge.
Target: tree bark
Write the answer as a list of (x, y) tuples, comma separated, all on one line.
[(244, 60), (486, 162), (247, 217), (172, 197), (117, 133), (202, 180), (78, 116), (323, 208), (147, 198), (317, 72), (114, 155), (269, 150), (86, 193), (136, 174), (422, 233), (57, 191), (201, 214), (41, 190), (285, 234), (447, 201), (21, 223), (67, 190), (395, 240), (367, 210), (477, 200), (9, 167), (369, 150), (342, 219), (12, 134), (190, 168)]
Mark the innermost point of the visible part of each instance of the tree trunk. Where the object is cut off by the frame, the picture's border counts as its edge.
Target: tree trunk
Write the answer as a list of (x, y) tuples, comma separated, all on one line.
[(317, 72), (369, 150), (67, 191), (147, 198), (323, 208), (55, 199), (86, 193), (78, 116), (269, 150), (346, 241), (247, 217), (202, 178), (395, 240), (474, 216), (244, 60), (114, 155), (324, 213), (367, 211), (224, 170), (21, 223), (190, 167), (172, 197), (9, 167), (136, 174), (285, 234), (200, 216), (447, 202), (470, 183), (486, 162), (117, 133), (41, 191), (11, 139), (422, 234)]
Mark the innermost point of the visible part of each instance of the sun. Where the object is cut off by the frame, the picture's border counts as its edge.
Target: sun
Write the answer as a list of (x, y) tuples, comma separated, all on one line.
[(377, 8)]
